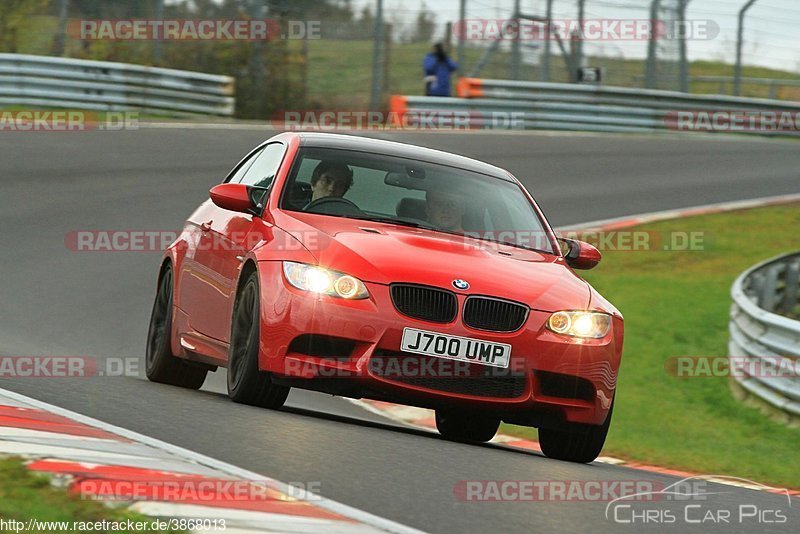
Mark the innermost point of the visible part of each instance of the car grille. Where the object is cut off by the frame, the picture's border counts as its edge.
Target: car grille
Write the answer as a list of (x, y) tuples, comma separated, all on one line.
[(447, 375), (495, 315), (426, 303)]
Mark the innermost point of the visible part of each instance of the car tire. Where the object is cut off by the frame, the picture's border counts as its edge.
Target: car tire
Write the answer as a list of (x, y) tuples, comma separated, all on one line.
[(466, 426), (160, 364), (247, 384), (580, 443)]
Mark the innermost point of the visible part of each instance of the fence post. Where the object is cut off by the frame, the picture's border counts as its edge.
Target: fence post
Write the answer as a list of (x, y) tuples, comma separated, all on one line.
[(377, 56), (59, 46), (547, 42), (684, 61), (387, 57), (650, 67), (737, 76), (462, 13), (157, 43), (515, 52), (579, 44)]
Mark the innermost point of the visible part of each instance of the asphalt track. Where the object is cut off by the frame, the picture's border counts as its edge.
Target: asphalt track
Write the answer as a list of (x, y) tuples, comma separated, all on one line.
[(59, 302)]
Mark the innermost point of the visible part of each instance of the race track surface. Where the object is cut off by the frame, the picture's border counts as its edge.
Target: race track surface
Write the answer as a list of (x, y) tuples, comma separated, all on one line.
[(59, 302)]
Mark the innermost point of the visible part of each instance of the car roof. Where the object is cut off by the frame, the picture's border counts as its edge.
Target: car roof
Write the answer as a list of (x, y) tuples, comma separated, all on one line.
[(403, 150)]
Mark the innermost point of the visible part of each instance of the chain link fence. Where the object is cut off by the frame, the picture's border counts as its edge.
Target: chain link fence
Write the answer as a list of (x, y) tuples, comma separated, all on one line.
[(353, 54)]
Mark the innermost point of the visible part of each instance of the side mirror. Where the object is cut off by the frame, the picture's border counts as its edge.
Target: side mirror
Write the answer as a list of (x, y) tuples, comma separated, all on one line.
[(579, 254), (234, 197)]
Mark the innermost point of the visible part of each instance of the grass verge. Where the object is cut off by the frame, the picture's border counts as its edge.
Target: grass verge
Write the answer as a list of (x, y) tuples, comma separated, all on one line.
[(25, 496), (676, 303)]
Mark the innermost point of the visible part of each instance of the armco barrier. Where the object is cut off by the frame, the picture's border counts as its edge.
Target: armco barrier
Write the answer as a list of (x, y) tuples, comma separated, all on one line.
[(42, 81), (559, 106), (762, 334)]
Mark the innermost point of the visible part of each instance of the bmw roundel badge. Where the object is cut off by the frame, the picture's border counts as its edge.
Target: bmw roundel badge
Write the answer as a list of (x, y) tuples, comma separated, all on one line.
[(458, 283)]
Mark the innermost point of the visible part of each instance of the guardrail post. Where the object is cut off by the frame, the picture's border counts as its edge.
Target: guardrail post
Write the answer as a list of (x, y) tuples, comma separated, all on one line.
[(766, 299), (650, 67), (737, 76), (790, 295)]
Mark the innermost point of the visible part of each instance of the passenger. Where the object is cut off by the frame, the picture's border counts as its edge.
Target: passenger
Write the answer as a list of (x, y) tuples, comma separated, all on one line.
[(445, 210)]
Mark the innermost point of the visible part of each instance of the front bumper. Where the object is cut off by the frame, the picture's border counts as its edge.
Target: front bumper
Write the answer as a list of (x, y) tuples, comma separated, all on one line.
[(551, 379)]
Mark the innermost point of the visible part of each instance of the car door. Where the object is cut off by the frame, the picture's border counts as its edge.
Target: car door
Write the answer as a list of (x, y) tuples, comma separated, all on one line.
[(193, 276), (226, 239)]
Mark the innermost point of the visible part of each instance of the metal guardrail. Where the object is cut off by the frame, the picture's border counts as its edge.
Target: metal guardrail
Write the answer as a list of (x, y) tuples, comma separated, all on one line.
[(560, 106), (56, 82), (726, 84), (764, 336)]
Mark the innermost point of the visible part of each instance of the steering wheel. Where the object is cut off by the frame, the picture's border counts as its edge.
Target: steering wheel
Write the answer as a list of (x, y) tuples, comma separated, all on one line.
[(333, 205)]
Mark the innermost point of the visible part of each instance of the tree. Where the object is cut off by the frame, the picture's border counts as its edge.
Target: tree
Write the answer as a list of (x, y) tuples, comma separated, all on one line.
[(425, 26), (14, 20)]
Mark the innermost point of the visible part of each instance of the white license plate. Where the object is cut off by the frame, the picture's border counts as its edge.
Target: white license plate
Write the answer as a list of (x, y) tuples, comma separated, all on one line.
[(456, 348)]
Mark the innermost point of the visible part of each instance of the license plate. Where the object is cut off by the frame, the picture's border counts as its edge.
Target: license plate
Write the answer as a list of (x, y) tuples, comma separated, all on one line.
[(456, 348)]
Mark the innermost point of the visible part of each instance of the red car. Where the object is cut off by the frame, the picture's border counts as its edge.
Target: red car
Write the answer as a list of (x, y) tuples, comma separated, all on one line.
[(374, 269)]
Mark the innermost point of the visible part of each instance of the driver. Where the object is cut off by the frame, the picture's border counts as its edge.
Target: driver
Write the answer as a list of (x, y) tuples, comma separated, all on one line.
[(445, 209), (330, 179)]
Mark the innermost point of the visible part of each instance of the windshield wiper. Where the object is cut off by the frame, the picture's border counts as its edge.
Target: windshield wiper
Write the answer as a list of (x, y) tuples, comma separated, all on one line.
[(399, 222)]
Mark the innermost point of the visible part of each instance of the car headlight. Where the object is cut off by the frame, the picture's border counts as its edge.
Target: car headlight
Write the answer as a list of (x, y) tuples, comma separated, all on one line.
[(324, 281), (580, 324)]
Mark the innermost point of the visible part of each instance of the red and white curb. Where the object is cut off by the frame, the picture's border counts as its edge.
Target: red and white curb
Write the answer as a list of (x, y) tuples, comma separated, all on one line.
[(424, 419), (606, 225), (100, 461)]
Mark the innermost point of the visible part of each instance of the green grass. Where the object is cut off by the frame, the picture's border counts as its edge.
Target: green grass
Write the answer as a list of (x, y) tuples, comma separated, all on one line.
[(340, 75), (25, 495), (677, 304)]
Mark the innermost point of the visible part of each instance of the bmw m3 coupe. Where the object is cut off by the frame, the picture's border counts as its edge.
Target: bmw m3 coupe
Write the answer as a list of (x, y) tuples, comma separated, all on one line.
[(374, 269)]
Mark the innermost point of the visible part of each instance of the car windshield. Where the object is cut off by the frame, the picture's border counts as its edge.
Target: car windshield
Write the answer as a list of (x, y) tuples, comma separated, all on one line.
[(440, 198)]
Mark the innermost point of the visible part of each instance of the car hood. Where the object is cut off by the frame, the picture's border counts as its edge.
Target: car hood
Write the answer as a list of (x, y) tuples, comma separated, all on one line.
[(386, 253)]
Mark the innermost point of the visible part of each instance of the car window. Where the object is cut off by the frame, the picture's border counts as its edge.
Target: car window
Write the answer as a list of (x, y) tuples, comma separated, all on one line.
[(265, 166), (236, 177), (438, 197)]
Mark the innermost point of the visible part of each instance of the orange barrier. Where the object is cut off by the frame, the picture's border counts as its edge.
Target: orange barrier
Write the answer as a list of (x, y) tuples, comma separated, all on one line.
[(398, 107), (469, 88)]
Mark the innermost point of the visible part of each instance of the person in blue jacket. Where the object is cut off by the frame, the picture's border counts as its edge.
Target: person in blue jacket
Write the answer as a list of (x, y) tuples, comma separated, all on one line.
[(437, 67)]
